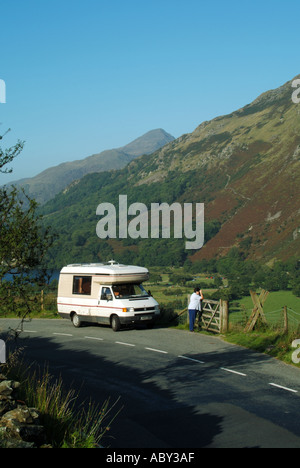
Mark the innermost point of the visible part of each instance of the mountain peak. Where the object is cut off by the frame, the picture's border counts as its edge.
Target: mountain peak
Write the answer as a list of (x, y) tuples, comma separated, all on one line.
[(149, 142)]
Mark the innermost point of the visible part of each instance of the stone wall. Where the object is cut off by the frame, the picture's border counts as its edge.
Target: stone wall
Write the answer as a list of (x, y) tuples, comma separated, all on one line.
[(19, 425)]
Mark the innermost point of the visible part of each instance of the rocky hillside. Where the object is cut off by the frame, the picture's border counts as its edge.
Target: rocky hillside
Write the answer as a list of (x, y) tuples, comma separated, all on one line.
[(244, 166), (248, 164)]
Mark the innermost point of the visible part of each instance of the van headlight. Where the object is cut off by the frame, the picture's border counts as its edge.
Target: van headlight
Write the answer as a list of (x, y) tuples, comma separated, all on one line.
[(126, 309)]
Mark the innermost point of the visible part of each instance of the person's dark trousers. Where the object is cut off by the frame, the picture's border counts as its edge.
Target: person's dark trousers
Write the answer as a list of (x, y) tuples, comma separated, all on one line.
[(192, 317)]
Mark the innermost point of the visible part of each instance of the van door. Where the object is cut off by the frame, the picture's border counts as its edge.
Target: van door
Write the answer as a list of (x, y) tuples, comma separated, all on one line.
[(105, 304)]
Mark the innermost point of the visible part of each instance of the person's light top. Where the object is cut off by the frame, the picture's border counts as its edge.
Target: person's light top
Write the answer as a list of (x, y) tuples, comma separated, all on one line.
[(195, 301)]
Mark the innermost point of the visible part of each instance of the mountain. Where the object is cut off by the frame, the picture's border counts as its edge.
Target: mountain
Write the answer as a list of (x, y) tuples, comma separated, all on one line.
[(48, 183), (245, 168)]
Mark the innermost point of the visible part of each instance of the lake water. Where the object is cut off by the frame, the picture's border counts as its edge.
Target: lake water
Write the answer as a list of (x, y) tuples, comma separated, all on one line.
[(54, 275)]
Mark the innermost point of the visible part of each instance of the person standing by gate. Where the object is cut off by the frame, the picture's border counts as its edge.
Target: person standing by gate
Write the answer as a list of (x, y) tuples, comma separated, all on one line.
[(194, 306)]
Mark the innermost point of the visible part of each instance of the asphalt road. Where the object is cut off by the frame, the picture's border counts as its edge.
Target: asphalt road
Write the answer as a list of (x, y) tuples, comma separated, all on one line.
[(177, 389)]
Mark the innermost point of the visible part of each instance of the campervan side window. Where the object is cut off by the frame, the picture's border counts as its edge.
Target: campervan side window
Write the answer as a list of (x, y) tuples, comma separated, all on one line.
[(82, 285)]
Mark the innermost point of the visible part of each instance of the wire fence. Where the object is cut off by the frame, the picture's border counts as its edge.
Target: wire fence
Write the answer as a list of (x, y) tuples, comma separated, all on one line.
[(289, 320), (293, 318)]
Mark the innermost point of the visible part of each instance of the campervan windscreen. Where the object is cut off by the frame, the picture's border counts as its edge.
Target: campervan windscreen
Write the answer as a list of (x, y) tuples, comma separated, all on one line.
[(127, 291)]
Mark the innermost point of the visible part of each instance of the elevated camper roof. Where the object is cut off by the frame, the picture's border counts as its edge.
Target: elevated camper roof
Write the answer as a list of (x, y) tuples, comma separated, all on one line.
[(111, 272)]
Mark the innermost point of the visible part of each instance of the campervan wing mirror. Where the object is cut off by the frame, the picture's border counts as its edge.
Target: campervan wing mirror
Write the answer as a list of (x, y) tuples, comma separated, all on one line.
[(106, 297)]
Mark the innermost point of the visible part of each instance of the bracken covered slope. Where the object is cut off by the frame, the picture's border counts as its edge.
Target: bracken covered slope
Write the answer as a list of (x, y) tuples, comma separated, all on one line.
[(248, 167)]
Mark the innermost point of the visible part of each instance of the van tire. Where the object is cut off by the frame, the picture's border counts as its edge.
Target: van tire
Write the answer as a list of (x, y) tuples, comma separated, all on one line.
[(76, 320), (115, 323)]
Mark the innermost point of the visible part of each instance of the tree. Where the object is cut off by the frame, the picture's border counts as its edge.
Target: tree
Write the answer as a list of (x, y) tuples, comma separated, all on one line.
[(23, 245), (8, 155), (276, 278), (218, 282), (294, 269)]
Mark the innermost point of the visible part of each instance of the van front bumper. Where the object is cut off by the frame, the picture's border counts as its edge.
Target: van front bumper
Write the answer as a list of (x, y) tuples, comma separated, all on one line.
[(139, 318)]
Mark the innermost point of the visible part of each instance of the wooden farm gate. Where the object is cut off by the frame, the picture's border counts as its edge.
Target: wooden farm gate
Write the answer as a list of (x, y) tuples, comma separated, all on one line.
[(214, 316)]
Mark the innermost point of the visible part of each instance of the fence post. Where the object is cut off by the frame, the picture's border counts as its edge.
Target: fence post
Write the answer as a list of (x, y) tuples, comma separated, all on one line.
[(224, 308), (285, 320), (42, 300)]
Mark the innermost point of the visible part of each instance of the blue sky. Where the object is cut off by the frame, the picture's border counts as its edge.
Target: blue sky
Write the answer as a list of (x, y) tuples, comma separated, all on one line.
[(83, 76)]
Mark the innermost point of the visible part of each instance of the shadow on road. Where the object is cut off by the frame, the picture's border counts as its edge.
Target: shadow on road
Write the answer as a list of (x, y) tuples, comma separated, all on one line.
[(151, 417)]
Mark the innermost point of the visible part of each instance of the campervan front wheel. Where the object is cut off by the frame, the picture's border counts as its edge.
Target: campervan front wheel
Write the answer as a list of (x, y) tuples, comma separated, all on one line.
[(115, 323), (76, 320)]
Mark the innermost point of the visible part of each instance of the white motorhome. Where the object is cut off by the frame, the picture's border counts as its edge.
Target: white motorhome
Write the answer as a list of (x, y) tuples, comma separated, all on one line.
[(109, 293)]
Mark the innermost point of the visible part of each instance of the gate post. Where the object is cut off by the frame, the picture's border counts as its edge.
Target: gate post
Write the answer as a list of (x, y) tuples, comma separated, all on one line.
[(286, 320), (224, 309)]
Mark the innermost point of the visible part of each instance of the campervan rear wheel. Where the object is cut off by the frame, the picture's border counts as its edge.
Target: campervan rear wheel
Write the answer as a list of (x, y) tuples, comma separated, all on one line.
[(115, 323), (76, 320)]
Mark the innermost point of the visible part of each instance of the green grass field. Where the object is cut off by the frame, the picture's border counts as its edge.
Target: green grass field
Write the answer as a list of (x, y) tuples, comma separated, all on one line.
[(276, 300), (273, 309)]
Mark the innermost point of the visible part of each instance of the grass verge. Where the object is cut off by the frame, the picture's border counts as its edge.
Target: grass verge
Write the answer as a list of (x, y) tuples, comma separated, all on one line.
[(68, 423), (272, 342)]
